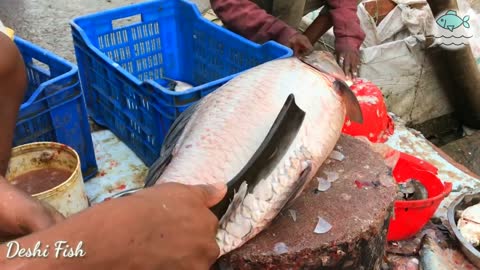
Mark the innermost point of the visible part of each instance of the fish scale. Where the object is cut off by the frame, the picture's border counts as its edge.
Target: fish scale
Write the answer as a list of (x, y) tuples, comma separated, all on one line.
[(220, 124), (224, 130), (259, 218)]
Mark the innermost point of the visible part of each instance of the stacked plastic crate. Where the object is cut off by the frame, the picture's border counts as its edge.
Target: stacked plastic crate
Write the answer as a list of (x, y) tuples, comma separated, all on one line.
[(127, 58)]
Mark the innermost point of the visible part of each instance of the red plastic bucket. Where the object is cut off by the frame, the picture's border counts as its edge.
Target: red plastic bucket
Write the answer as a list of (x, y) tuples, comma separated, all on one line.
[(377, 124), (411, 216)]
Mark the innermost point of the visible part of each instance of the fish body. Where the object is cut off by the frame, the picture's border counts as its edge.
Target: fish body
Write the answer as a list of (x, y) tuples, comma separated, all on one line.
[(434, 257), (217, 137), (182, 86), (452, 21), (469, 224), (412, 190)]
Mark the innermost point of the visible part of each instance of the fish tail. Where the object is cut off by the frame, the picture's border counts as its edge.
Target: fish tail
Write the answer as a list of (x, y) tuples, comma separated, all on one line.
[(465, 21)]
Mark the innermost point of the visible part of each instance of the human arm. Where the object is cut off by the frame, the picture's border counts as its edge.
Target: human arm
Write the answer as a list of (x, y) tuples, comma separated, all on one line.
[(349, 35), (13, 84), (252, 22), (318, 27), (20, 214), (168, 226)]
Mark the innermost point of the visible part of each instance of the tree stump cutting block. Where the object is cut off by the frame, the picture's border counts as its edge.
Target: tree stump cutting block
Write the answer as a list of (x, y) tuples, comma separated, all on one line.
[(358, 206)]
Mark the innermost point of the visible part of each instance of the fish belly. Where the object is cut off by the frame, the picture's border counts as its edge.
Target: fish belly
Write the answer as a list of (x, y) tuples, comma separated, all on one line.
[(231, 123)]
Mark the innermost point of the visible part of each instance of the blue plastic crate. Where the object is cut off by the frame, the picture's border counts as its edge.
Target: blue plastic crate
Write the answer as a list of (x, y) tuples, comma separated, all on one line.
[(54, 106), (123, 67)]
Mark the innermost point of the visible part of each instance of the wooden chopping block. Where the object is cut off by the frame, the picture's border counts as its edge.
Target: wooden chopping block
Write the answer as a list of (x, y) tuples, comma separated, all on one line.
[(358, 206)]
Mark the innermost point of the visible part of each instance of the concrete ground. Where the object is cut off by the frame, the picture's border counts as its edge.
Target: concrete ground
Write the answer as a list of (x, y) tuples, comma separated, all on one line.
[(46, 23), (466, 151)]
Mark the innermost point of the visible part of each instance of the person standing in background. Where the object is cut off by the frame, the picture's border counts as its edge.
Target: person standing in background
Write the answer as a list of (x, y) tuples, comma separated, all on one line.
[(264, 20)]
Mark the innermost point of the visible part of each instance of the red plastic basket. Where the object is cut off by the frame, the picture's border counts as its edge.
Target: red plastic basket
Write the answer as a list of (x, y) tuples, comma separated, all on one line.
[(411, 216), (377, 124)]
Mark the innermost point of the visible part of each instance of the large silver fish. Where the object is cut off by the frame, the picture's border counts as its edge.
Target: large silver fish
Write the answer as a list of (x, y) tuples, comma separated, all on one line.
[(265, 133)]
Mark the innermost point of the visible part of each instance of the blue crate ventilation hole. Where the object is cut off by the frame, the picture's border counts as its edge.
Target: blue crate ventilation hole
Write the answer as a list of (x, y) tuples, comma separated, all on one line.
[(127, 56), (54, 106)]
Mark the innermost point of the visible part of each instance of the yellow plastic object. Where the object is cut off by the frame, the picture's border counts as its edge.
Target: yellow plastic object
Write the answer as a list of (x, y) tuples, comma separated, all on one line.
[(69, 197), (7, 31), (211, 16)]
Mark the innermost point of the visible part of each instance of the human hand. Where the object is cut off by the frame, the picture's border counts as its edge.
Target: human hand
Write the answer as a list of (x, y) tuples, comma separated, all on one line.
[(168, 226), (21, 214), (300, 44), (183, 227), (349, 60)]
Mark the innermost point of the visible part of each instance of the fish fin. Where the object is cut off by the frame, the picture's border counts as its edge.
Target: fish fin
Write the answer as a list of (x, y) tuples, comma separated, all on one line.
[(156, 170), (451, 12), (299, 185), (450, 27), (354, 112), (176, 130), (325, 62), (282, 133), (171, 139)]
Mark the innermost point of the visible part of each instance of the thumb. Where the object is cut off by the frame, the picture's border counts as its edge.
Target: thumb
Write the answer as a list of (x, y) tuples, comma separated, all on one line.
[(212, 194), (54, 214), (45, 217)]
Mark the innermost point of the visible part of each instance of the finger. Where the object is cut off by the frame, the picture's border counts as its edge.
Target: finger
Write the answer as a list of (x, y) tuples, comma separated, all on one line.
[(298, 51), (294, 49), (355, 66), (213, 253), (6, 237), (307, 48), (307, 51), (301, 53), (341, 61), (211, 194), (353, 69), (347, 67), (45, 217), (54, 213)]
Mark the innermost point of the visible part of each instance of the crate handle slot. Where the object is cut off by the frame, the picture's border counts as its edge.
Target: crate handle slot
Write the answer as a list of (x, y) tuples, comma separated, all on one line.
[(127, 21), (41, 65)]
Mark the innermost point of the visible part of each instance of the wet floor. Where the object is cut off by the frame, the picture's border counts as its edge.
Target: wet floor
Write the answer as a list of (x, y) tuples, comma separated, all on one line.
[(46, 23)]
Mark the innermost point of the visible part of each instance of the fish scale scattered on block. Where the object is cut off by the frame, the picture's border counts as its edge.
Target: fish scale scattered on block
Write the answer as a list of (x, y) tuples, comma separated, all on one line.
[(344, 227), (215, 139)]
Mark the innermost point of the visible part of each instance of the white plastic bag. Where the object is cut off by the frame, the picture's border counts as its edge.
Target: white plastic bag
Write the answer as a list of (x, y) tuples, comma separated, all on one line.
[(403, 72), (393, 58)]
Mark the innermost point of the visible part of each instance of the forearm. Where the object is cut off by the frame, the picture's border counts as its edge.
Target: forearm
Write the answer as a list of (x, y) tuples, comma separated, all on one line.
[(87, 231), (252, 22), (318, 27), (346, 25), (13, 83)]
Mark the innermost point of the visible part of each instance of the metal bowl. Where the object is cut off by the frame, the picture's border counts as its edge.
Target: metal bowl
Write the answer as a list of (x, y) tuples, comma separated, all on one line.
[(459, 204)]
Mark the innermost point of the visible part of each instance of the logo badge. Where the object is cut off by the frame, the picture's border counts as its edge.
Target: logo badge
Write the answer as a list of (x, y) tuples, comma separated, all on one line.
[(452, 31)]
